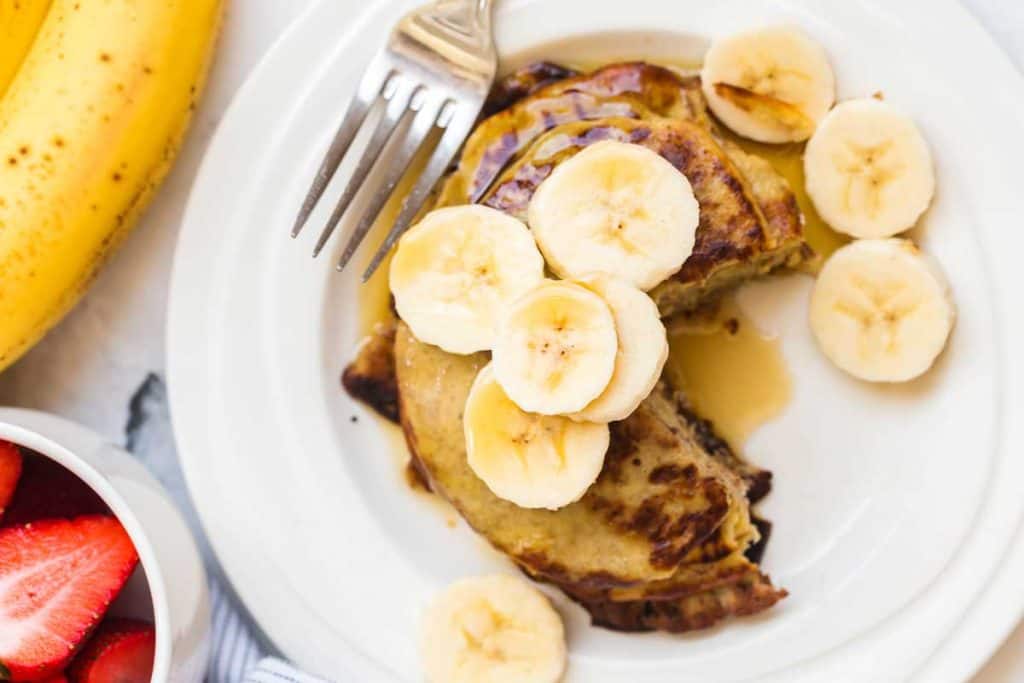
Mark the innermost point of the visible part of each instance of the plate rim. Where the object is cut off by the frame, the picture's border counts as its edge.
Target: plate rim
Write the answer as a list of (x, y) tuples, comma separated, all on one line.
[(981, 648)]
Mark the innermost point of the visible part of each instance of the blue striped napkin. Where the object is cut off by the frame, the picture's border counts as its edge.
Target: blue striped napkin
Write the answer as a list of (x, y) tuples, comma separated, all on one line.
[(273, 670), (241, 653), (237, 653)]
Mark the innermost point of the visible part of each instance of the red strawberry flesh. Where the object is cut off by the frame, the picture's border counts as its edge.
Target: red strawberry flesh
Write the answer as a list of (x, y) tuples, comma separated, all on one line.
[(57, 579), (48, 490), (10, 473), (121, 651)]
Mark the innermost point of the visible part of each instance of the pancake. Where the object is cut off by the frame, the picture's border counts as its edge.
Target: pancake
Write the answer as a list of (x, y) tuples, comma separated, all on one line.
[(524, 81), (631, 90), (370, 376), (734, 239), (750, 222), (667, 521), (665, 538)]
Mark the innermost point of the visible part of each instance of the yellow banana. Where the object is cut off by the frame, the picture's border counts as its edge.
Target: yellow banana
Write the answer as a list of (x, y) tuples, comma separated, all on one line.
[(88, 128), (19, 23)]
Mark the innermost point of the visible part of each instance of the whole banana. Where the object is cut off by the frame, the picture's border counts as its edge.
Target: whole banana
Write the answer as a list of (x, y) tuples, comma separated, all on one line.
[(19, 23), (88, 128)]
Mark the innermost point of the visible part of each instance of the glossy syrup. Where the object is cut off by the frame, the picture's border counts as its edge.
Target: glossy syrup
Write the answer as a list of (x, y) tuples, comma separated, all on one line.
[(788, 160), (732, 373)]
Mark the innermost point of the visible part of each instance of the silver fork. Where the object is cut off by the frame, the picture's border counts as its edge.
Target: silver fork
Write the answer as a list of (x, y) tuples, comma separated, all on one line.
[(434, 75)]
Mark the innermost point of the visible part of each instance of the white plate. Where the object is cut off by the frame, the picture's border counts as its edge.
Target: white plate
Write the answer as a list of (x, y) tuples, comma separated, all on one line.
[(894, 509)]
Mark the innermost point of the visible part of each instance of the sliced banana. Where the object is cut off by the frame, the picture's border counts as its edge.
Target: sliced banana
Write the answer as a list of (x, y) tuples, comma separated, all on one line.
[(618, 209), (534, 461), (643, 349), (455, 272), (868, 169), (772, 84), (493, 629), (881, 310), (556, 348)]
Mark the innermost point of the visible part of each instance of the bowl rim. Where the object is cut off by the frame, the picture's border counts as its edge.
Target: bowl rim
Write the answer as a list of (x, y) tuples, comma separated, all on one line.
[(98, 482)]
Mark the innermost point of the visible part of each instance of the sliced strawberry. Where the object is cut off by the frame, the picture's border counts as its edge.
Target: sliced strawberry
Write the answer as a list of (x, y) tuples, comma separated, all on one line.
[(48, 490), (10, 473), (58, 678), (121, 651), (57, 578)]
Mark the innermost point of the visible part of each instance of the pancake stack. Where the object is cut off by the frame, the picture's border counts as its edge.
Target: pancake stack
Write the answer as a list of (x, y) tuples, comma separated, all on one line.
[(665, 538)]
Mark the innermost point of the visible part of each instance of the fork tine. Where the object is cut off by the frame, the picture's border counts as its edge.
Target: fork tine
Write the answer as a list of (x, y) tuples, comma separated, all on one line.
[(419, 132), (397, 110), (457, 127), (362, 102)]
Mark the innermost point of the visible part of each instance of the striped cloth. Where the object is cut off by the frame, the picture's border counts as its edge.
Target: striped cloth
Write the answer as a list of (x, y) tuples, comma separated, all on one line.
[(237, 655), (235, 650), (241, 653), (273, 670)]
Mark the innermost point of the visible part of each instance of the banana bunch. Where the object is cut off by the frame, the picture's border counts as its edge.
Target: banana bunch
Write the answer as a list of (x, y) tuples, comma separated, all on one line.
[(95, 97)]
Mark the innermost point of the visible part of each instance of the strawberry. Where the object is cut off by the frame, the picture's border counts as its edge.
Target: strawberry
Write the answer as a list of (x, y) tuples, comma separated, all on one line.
[(57, 678), (57, 578), (47, 490), (120, 652), (10, 472)]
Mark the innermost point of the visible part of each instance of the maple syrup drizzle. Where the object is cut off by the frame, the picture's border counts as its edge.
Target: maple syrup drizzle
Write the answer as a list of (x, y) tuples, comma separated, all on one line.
[(731, 372)]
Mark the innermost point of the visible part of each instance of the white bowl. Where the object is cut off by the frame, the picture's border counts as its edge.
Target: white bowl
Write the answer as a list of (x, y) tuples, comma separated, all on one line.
[(169, 560)]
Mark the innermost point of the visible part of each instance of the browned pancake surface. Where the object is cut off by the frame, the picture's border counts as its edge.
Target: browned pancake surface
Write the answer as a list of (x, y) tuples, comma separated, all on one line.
[(731, 229), (659, 540), (632, 90), (750, 223)]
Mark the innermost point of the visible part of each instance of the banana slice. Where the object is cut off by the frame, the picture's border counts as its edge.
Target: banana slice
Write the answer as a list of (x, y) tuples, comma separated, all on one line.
[(643, 349), (493, 629), (534, 461), (455, 272), (868, 169), (618, 209), (881, 310), (556, 349), (771, 85)]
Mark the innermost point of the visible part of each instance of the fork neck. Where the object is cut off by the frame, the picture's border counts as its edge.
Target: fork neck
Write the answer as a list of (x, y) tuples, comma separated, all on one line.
[(483, 10), (478, 12)]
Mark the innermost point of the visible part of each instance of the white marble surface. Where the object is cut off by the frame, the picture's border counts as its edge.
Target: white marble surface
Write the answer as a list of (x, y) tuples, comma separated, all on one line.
[(89, 367)]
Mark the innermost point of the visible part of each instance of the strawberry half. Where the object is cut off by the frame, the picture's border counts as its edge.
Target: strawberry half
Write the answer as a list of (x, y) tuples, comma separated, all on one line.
[(57, 578), (58, 678), (48, 490), (120, 652), (10, 473)]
